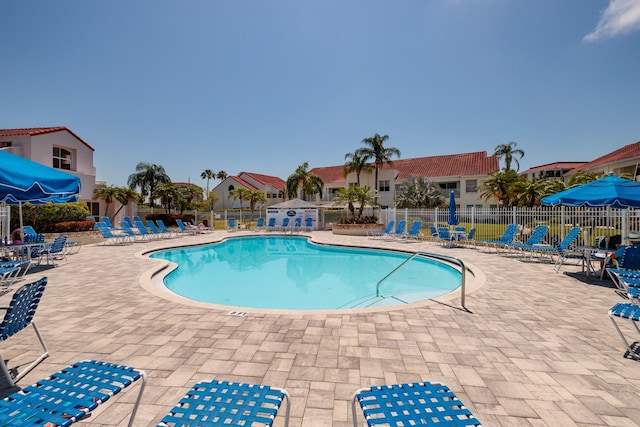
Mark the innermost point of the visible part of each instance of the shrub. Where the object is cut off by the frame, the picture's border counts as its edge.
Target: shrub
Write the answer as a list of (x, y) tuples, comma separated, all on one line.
[(73, 226), (45, 217), (358, 220)]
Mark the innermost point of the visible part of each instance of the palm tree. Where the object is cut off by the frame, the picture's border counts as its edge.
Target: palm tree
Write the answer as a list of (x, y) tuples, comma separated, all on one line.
[(376, 150), (356, 164), (419, 193), (302, 178), (500, 185), (108, 194), (508, 151), (167, 193), (254, 197), (208, 174), (221, 175), (348, 196), (124, 196), (147, 177), (240, 193), (365, 196)]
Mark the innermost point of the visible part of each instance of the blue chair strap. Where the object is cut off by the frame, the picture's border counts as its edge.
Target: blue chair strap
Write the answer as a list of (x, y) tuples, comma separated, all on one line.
[(219, 403), (411, 404), (67, 395)]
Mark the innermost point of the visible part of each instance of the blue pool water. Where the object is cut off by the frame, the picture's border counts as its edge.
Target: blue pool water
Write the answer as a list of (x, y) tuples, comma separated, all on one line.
[(289, 272)]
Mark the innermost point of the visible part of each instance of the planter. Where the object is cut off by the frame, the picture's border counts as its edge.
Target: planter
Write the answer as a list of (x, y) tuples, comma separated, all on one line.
[(357, 229)]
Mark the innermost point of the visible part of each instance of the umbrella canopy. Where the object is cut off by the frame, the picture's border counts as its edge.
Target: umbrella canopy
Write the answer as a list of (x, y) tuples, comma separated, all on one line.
[(612, 191), (453, 219), (294, 204), (22, 180)]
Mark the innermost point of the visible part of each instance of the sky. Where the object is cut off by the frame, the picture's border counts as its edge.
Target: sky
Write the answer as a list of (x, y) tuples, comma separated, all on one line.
[(264, 86)]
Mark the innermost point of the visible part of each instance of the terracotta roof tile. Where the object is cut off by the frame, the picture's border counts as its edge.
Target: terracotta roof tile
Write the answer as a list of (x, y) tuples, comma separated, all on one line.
[(243, 182), (40, 131), (556, 165), (273, 181), (627, 152), (477, 163)]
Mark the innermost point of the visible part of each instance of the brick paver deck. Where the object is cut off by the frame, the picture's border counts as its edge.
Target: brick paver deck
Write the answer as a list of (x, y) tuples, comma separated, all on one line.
[(535, 348)]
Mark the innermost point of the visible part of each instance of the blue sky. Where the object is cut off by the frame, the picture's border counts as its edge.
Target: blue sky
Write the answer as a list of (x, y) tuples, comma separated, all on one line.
[(263, 86)]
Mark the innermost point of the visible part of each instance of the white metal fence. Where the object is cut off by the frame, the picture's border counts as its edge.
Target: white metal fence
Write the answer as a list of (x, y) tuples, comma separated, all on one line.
[(491, 223)]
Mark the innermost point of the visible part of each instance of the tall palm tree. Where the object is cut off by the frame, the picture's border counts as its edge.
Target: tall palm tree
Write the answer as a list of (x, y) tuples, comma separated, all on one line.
[(356, 163), (108, 194), (240, 193), (147, 177), (375, 149), (208, 174), (167, 193), (254, 197), (125, 196), (508, 152), (302, 178), (221, 175)]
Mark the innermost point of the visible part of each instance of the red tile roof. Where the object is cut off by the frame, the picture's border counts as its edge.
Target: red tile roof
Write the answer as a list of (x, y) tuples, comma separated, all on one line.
[(40, 131), (242, 182), (465, 164), (552, 166), (273, 181), (627, 152)]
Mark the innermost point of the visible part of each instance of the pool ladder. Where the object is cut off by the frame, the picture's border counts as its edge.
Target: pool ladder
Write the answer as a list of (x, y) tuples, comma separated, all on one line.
[(447, 258)]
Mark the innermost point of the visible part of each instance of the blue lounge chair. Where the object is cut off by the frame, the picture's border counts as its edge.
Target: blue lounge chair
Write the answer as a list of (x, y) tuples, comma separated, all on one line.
[(164, 229), (271, 224), (385, 232), (8, 275), (535, 239), (629, 311), (627, 267), (563, 250), (399, 230), (70, 394), (231, 224), (259, 224), (285, 224), (20, 264), (18, 316), (110, 238), (218, 403), (507, 237), (308, 224), (414, 231), (184, 229), (411, 404), (143, 230), (155, 231), (297, 225)]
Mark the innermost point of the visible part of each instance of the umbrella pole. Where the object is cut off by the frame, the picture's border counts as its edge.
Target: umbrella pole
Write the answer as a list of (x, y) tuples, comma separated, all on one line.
[(21, 222)]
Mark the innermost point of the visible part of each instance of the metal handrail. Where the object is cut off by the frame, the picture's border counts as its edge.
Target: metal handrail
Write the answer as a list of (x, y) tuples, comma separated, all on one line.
[(432, 255)]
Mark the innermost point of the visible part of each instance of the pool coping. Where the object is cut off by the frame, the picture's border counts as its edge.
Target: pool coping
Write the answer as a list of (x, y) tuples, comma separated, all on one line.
[(151, 280)]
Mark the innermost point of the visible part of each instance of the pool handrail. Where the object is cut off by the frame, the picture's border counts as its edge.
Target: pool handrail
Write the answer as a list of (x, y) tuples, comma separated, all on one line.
[(432, 255)]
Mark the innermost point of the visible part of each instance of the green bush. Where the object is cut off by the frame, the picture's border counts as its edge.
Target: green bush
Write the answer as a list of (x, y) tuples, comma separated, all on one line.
[(73, 226), (44, 218)]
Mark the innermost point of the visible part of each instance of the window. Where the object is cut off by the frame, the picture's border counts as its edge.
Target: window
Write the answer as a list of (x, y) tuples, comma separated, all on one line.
[(94, 208), (61, 158), (448, 187), (384, 185), (5, 144), (471, 185)]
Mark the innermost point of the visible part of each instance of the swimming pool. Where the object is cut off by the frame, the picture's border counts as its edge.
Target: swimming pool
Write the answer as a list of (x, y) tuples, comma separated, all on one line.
[(292, 273)]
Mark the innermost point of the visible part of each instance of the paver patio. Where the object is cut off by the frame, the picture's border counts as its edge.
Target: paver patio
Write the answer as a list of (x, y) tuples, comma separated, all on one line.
[(537, 348)]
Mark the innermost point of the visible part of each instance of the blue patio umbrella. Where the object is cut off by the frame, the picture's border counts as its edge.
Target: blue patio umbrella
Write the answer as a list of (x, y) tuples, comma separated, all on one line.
[(612, 191), (453, 219), (22, 180)]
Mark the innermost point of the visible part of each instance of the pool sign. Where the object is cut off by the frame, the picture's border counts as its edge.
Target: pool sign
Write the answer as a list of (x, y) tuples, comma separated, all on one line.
[(292, 213)]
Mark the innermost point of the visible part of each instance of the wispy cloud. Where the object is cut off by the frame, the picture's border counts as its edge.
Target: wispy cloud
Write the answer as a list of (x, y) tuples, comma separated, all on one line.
[(620, 17)]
